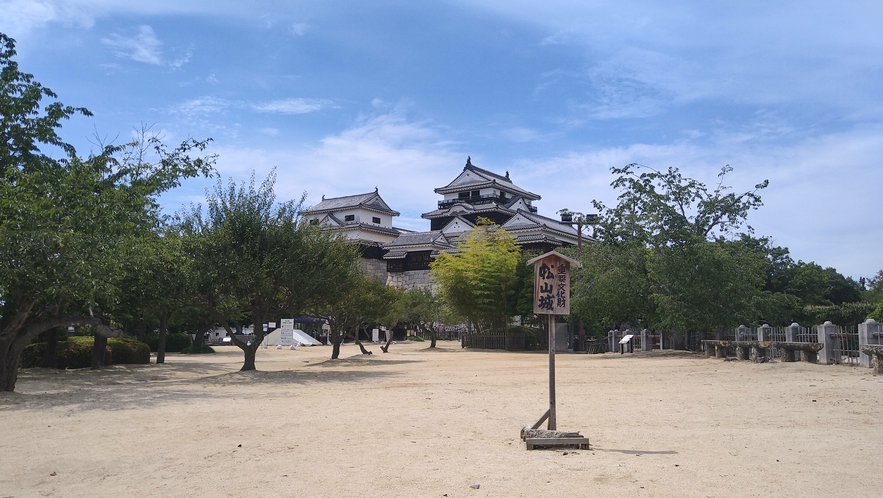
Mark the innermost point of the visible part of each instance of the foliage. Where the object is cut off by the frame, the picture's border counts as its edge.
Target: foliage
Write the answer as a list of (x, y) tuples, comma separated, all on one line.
[(76, 352), (250, 258), (68, 224), (479, 282), (201, 349), (664, 258), (877, 314), (842, 314), (416, 338), (360, 299), (421, 309), (128, 351), (175, 342), (531, 336)]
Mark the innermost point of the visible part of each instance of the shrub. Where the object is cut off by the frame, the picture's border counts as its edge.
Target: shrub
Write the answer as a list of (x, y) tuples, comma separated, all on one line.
[(201, 349), (415, 338), (531, 336), (76, 352), (844, 314), (128, 351), (175, 342)]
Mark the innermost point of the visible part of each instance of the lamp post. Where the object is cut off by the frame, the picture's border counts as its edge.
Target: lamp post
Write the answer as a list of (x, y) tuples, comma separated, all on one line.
[(579, 219)]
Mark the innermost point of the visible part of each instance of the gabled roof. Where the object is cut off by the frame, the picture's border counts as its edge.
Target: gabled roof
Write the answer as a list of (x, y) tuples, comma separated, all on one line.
[(419, 239), (473, 177), (456, 226), (525, 221), (371, 201)]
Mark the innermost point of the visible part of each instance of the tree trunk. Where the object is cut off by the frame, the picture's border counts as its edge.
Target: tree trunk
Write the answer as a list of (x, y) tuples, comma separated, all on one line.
[(10, 356), (337, 338), (163, 332), (385, 347), (250, 354), (99, 349), (364, 351), (199, 338)]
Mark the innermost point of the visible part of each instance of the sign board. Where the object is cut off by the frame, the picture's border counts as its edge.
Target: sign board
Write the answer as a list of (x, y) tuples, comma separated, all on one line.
[(286, 337), (551, 292), (626, 338), (287, 323), (272, 325)]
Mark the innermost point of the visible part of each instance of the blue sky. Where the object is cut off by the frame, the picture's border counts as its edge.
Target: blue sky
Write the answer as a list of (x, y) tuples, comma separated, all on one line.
[(342, 97)]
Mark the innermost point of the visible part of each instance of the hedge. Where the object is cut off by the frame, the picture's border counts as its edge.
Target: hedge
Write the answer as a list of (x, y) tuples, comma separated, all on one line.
[(76, 352), (175, 342)]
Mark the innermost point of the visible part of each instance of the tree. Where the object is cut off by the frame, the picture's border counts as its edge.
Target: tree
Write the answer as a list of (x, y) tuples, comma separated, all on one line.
[(422, 309), (249, 257), (479, 282), (664, 258), (359, 301), (66, 223)]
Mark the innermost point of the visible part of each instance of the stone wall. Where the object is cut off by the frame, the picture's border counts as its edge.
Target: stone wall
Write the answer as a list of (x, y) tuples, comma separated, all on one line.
[(376, 268), (413, 279)]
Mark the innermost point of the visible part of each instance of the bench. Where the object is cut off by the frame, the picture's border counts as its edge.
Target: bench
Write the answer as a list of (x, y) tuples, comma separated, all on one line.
[(756, 350), (875, 351)]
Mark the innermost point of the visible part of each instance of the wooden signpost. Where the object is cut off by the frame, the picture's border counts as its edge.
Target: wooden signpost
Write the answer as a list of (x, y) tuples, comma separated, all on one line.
[(551, 296)]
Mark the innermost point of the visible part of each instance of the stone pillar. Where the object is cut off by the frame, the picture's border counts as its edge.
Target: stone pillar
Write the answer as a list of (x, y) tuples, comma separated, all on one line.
[(646, 341), (869, 332), (613, 338), (743, 333), (791, 332), (826, 355), (764, 332)]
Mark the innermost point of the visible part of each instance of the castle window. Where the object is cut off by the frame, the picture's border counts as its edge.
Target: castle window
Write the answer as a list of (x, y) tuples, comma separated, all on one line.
[(349, 217), (375, 220)]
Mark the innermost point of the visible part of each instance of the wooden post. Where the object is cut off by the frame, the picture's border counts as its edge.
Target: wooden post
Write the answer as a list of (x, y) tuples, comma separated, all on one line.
[(551, 297), (551, 372)]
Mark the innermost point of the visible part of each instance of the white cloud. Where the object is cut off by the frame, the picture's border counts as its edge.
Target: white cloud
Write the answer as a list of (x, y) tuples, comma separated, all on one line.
[(293, 106), (201, 105), (299, 28), (144, 46)]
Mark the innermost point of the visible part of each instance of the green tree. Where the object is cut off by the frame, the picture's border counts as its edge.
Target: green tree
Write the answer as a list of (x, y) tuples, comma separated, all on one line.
[(422, 309), (664, 258), (479, 281), (359, 301), (65, 224), (250, 258)]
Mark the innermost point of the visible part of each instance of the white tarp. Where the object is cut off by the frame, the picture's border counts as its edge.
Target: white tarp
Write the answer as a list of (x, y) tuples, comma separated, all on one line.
[(282, 337), (304, 339)]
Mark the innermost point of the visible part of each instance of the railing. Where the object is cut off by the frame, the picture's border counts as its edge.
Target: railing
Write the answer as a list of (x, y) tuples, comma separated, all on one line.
[(476, 199), (846, 350)]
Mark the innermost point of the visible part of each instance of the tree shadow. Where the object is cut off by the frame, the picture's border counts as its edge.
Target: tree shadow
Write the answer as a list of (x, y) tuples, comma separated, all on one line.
[(133, 388)]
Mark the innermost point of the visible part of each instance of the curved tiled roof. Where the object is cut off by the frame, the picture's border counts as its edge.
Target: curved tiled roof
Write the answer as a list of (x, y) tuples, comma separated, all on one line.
[(371, 201)]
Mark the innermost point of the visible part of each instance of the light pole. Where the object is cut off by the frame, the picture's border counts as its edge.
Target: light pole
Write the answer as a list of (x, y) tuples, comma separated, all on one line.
[(578, 219)]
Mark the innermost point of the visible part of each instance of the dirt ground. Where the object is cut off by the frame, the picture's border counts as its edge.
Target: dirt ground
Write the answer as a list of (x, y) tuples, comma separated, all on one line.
[(433, 423)]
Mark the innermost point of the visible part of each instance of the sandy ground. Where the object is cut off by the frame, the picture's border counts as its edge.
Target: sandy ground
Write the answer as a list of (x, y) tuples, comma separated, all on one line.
[(417, 422)]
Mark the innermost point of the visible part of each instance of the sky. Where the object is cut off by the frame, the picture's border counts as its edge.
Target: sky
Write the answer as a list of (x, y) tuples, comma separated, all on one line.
[(345, 97)]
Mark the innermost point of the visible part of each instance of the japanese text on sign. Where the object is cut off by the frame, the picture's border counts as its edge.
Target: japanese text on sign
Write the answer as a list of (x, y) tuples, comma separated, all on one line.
[(552, 286)]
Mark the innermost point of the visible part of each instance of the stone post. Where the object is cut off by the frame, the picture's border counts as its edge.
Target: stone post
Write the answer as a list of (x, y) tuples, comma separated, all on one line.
[(764, 332), (791, 332), (645, 340), (826, 355), (743, 333), (613, 338), (869, 332)]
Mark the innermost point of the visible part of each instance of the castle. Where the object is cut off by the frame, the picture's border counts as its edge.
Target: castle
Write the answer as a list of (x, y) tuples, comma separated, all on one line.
[(401, 258)]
